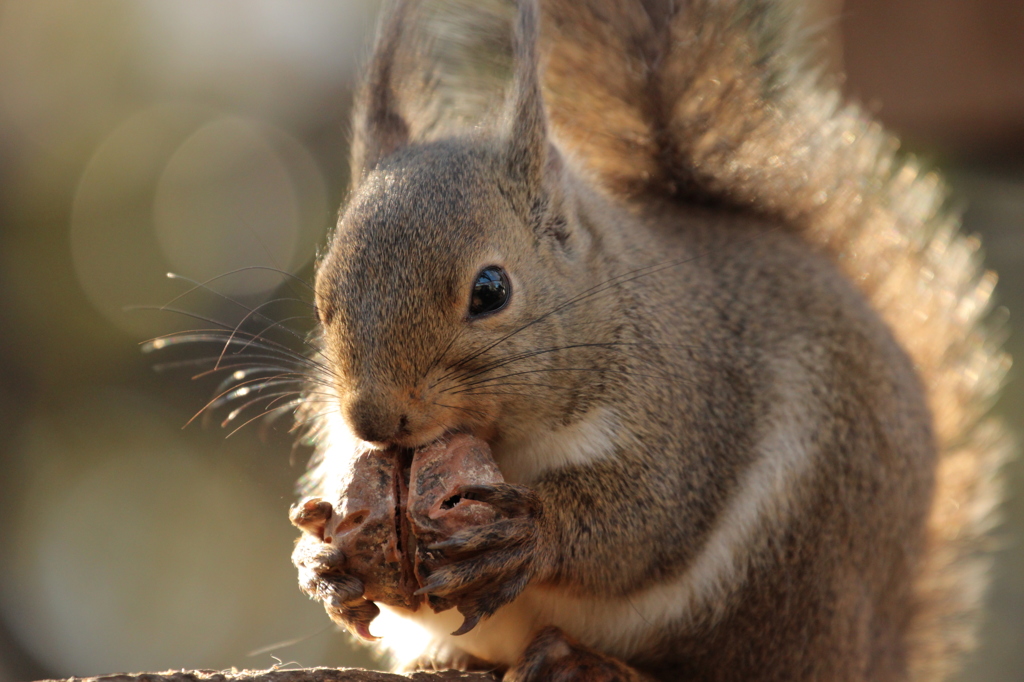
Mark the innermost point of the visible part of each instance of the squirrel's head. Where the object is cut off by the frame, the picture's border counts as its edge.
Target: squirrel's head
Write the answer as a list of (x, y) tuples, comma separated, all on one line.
[(445, 280)]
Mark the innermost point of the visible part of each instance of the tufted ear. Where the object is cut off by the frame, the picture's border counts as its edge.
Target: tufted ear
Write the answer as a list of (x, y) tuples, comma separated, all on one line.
[(378, 125), (528, 152)]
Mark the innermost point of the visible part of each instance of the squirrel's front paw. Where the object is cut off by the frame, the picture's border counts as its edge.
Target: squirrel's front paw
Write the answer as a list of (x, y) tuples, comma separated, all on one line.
[(481, 568), (322, 574)]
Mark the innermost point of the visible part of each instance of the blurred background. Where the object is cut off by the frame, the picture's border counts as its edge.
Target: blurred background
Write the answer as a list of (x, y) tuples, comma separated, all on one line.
[(146, 136)]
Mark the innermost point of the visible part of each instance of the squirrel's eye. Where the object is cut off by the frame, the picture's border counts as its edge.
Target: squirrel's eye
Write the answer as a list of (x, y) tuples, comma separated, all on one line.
[(490, 291)]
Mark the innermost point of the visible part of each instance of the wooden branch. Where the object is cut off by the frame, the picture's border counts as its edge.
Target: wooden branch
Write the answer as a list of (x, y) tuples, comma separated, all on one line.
[(291, 675)]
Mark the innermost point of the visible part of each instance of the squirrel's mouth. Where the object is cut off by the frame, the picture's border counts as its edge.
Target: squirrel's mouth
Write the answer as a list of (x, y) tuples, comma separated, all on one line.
[(414, 440), (409, 437)]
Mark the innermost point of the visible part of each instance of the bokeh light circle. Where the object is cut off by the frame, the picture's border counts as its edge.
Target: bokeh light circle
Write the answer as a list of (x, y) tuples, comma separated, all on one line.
[(238, 194), (177, 187)]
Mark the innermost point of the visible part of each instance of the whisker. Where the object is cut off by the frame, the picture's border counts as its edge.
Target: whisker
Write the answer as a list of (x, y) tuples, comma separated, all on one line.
[(248, 366), (233, 414), (244, 374), (250, 362), (314, 419), (154, 344), (217, 336), (549, 399), (255, 337), (217, 398), (440, 355), (255, 313), (261, 414), (275, 397), (437, 421), (531, 384), (207, 283), (267, 371), (272, 325), (250, 311), (612, 345), (568, 369), (242, 391), (602, 287), (479, 413)]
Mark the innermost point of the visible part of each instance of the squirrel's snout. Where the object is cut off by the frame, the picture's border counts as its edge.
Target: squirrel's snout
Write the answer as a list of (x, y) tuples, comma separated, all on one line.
[(384, 418), (373, 421)]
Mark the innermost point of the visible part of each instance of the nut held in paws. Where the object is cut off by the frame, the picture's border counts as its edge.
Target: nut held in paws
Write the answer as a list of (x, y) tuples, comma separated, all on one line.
[(395, 504)]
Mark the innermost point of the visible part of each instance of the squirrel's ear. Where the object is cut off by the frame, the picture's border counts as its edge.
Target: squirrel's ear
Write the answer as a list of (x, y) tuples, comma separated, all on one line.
[(528, 151), (379, 128)]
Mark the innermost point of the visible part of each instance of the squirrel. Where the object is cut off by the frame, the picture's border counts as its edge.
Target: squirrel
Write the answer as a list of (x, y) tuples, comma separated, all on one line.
[(727, 347)]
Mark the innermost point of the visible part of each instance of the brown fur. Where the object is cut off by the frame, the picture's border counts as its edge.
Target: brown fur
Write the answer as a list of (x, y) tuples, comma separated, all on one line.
[(705, 245)]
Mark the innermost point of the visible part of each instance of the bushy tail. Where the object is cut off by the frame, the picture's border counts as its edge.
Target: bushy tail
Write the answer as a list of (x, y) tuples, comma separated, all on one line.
[(718, 101)]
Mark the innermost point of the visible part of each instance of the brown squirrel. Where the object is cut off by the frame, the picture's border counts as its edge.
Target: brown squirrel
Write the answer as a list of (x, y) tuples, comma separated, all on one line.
[(725, 345)]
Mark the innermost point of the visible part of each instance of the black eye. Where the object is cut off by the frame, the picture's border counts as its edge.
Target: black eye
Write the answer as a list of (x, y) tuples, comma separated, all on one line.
[(490, 291)]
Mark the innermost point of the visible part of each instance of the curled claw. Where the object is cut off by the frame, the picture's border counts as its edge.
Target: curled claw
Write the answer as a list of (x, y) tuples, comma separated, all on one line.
[(325, 584), (480, 578), (469, 621), (342, 591), (508, 533), (511, 500), (358, 620), (316, 558), (476, 609), (355, 617), (327, 560), (362, 631), (481, 569), (432, 586)]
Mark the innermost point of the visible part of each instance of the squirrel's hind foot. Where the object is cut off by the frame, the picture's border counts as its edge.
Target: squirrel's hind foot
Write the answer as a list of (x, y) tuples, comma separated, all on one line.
[(554, 657)]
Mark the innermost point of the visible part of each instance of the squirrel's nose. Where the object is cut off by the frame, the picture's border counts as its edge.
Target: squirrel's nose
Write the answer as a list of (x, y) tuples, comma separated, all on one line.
[(375, 422)]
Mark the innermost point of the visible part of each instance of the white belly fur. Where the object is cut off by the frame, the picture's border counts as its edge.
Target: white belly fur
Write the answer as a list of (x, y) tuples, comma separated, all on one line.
[(618, 626)]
